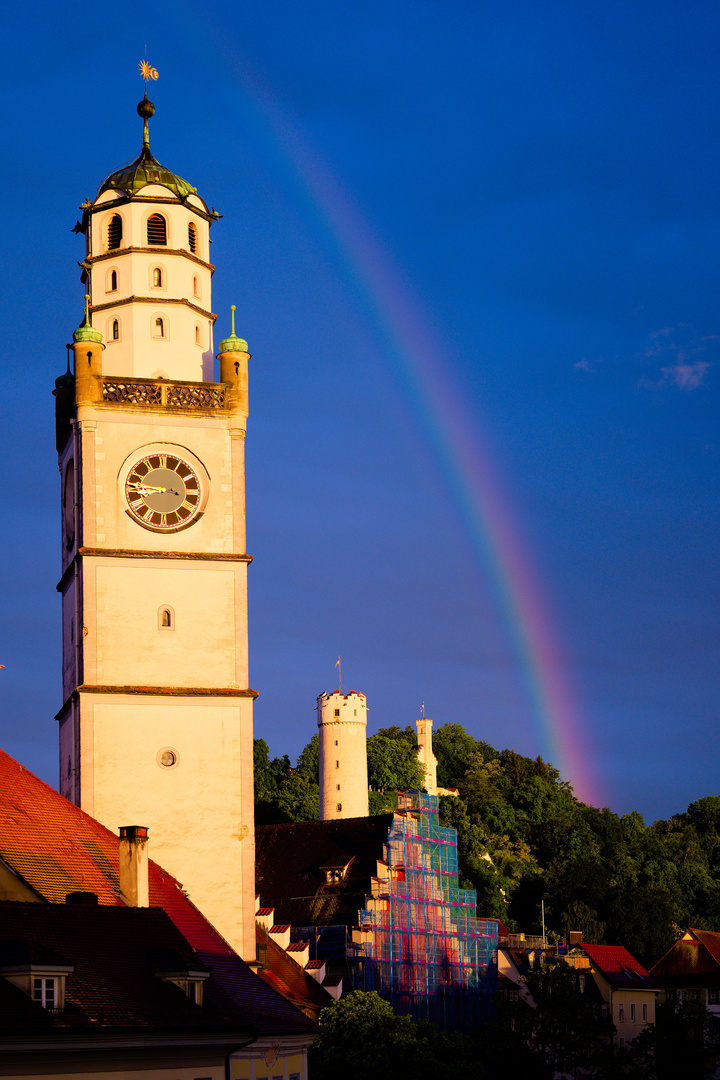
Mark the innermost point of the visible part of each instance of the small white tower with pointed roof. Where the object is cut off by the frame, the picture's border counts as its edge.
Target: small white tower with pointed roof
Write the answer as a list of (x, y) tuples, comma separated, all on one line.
[(342, 720), (425, 753)]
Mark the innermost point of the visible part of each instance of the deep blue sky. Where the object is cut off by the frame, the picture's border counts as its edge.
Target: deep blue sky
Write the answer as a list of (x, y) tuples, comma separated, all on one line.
[(542, 179)]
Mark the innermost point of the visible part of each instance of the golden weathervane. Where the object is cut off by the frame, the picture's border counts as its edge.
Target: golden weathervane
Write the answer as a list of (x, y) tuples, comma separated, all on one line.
[(148, 72)]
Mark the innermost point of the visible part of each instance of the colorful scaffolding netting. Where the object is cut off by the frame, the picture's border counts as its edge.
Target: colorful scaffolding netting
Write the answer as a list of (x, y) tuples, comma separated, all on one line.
[(420, 944)]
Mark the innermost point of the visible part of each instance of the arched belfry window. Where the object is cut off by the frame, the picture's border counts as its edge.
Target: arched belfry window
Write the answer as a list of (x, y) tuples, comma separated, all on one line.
[(166, 618), (156, 229), (159, 327), (157, 278), (113, 281), (115, 231), (115, 330), (192, 238)]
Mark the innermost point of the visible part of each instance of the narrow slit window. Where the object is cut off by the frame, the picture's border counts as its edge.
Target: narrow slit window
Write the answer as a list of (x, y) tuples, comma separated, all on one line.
[(166, 618), (115, 330), (197, 336), (157, 278), (156, 229), (159, 328), (339, 806), (192, 238), (196, 286), (115, 231), (113, 281)]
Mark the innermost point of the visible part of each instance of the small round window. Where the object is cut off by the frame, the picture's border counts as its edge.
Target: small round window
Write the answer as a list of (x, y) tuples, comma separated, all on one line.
[(167, 757)]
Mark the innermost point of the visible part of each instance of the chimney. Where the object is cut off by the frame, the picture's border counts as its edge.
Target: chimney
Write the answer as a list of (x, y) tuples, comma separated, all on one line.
[(134, 865)]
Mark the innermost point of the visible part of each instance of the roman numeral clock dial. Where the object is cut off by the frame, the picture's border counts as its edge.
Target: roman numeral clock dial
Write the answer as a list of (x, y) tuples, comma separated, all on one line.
[(163, 493)]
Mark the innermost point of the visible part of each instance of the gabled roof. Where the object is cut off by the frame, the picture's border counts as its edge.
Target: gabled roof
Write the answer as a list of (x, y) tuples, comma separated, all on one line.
[(619, 967), (693, 960), (711, 940), (284, 973), (113, 982), (56, 848), (290, 862)]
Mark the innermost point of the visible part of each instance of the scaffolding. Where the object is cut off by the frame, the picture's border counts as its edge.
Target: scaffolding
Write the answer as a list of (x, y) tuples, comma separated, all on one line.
[(419, 943)]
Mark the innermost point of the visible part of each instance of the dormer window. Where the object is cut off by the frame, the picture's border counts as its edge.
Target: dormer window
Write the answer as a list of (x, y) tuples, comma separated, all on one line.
[(157, 229), (115, 231), (336, 871), (170, 966), (192, 238), (45, 992), (37, 971)]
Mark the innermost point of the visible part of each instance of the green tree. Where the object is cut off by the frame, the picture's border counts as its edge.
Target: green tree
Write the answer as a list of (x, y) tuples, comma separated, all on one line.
[(456, 751), (683, 1042), (361, 1038), (393, 763), (309, 761)]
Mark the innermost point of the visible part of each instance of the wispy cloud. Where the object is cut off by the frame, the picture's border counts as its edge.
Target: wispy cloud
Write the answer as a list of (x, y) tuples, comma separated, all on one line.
[(686, 376), (584, 365), (679, 357)]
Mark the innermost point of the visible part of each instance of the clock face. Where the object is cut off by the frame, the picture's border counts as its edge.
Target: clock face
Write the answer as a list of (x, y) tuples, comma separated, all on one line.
[(163, 492)]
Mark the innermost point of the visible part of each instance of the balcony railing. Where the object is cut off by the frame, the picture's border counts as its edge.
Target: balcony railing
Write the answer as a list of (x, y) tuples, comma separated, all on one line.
[(176, 395)]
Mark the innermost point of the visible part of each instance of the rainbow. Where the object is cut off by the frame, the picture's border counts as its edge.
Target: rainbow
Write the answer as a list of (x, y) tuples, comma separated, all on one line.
[(464, 458)]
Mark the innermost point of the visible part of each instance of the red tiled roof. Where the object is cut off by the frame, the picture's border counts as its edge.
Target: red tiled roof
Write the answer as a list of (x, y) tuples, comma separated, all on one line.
[(56, 848), (691, 962), (264, 911), (297, 946), (314, 965), (289, 979), (279, 928), (619, 967), (711, 940)]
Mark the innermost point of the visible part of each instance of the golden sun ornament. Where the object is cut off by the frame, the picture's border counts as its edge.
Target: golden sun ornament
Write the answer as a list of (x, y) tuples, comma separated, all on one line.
[(148, 72)]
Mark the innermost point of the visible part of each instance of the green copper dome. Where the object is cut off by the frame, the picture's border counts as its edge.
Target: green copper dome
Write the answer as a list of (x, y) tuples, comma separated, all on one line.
[(146, 170), (233, 343)]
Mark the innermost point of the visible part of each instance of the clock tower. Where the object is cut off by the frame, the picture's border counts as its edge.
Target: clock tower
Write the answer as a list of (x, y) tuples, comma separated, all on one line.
[(156, 721)]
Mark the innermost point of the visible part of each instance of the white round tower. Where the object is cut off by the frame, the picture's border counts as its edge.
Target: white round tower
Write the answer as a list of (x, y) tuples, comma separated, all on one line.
[(342, 720)]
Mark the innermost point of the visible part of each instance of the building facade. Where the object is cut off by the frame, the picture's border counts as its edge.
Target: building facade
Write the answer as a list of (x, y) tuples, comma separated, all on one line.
[(378, 900), (156, 719)]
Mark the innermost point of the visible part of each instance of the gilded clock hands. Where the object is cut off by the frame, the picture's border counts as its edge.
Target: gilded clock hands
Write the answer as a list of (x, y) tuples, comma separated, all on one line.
[(146, 489)]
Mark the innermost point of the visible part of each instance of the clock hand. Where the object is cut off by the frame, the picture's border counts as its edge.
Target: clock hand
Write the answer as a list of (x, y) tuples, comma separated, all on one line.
[(146, 489)]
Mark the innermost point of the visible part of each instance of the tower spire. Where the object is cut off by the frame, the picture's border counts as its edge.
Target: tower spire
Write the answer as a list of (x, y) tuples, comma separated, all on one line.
[(146, 109)]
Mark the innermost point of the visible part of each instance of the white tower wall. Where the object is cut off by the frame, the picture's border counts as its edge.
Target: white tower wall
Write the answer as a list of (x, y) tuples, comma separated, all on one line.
[(342, 722), (425, 754)]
